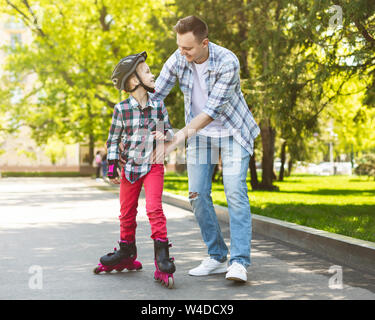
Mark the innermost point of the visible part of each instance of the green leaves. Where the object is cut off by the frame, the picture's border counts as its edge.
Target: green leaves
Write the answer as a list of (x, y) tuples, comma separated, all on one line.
[(64, 65)]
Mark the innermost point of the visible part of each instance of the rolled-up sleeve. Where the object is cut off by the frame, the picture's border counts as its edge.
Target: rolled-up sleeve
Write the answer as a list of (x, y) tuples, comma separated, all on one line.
[(168, 131), (223, 89), (115, 133)]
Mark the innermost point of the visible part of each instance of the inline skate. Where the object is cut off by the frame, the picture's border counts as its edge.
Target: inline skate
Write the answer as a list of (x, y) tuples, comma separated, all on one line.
[(118, 260), (164, 265)]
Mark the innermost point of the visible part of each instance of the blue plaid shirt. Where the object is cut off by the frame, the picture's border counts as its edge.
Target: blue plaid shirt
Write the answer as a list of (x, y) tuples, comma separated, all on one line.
[(225, 99)]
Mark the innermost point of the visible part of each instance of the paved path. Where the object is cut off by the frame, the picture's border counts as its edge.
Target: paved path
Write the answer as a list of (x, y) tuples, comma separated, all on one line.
[(53, 231)]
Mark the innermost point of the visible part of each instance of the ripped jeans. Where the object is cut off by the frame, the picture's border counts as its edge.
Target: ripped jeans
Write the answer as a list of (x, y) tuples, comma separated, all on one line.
[(202, 155)]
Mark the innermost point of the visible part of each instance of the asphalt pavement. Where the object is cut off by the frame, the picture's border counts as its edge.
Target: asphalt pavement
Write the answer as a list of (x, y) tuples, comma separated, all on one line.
[(54, 230)]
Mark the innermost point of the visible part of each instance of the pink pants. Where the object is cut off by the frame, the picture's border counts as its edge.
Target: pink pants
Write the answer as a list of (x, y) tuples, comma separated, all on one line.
[(129, 194)]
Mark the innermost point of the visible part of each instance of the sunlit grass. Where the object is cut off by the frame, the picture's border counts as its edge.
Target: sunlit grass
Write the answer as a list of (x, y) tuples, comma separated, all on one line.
[(339, 204)]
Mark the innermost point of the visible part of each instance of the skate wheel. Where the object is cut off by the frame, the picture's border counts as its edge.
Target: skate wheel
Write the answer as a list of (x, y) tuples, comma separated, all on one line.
[(170, 283), (96, 270)]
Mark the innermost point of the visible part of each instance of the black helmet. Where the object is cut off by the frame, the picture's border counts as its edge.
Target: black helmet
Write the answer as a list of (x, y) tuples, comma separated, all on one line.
[(125, 68)]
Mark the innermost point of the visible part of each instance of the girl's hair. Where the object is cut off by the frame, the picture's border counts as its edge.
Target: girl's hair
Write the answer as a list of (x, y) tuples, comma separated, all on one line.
[(192, 24)]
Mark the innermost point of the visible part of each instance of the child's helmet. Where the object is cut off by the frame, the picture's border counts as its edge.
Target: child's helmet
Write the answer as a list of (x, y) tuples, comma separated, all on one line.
[(125, 68)]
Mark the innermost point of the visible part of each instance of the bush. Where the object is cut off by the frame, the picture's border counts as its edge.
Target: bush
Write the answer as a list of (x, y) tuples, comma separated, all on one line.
[(366, 166)]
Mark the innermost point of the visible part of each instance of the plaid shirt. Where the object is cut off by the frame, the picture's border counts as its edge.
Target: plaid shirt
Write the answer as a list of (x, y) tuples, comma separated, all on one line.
[(133, 125), (225, 99)]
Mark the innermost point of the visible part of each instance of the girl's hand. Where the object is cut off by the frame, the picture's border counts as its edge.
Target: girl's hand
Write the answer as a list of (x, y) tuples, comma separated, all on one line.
[(158, 135), (115, 180)]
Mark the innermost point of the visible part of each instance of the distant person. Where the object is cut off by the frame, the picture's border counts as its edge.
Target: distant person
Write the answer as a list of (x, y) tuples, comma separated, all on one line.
[(98, 163)]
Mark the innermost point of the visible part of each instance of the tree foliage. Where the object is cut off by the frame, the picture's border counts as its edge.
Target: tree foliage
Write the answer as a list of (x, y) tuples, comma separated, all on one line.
[(75, 46), (303, 63)]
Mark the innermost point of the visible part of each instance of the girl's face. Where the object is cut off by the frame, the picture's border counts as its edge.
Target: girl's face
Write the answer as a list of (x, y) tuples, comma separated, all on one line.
[(145, 74)]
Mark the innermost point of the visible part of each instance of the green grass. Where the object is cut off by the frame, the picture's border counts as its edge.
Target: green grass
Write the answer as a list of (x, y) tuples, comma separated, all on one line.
[(339, 204)]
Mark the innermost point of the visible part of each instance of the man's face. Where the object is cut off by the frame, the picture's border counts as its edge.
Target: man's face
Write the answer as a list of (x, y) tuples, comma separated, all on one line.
[(145, 74), (190, 47)]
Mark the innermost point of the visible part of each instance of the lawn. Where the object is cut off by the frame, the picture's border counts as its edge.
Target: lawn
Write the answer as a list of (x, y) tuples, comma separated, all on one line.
[(338, 204)]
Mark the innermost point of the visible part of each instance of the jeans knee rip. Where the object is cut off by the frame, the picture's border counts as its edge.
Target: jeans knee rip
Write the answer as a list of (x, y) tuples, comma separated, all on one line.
[(193, 195)]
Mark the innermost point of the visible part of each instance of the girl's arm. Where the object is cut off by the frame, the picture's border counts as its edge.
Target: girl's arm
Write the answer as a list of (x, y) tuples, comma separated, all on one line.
[(113, 141)]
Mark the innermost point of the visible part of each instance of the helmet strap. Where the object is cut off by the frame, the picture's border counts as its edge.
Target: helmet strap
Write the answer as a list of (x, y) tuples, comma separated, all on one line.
[(147, 88)]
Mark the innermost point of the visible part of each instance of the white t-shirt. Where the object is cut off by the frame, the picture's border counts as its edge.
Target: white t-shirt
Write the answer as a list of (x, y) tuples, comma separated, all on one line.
[(199, 99)]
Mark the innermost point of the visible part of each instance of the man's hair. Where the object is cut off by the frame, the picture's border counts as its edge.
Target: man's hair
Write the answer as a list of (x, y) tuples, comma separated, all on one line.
[(192, 24)]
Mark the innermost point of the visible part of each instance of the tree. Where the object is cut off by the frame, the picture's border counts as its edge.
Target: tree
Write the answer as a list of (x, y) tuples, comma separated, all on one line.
[(75, 46)]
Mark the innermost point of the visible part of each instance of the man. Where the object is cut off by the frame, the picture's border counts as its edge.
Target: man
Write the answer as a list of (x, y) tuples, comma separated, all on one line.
[(208, 76)]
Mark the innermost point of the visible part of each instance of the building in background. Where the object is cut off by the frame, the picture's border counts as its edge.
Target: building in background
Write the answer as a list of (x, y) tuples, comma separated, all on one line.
[(18, 151)]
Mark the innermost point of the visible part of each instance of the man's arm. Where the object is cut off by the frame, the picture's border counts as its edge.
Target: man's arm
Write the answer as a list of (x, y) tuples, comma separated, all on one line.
[(221, 93), (199, 122), (228, 79), (166, 79)]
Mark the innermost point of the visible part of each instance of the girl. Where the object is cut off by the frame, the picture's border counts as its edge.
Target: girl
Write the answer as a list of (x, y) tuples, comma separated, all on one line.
[(139, 121)]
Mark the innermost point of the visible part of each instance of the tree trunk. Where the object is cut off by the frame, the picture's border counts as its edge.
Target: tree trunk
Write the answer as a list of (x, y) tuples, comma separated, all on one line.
[(290, 165), (268, 142), (217, 175), (91, 148), (91, 134), (214, 173), (253, 172), (281, 173)]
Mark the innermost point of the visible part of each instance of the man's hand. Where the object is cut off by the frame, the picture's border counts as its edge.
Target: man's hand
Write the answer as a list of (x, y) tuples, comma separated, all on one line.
[(158, 135)]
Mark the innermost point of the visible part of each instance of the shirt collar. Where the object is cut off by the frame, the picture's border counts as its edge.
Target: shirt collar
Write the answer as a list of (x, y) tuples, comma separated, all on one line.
[(211, 58), (134, 103)]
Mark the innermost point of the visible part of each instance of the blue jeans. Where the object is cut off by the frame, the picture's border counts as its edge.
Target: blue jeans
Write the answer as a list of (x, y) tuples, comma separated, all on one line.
[(202, 155)]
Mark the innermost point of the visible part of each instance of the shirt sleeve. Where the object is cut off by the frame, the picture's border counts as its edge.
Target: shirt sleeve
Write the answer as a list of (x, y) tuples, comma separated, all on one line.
[(168, 130), (223, 89), (167, 79), (115, 133)]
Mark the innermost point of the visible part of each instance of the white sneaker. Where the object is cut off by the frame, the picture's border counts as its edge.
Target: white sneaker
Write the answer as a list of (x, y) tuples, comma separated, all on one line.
[(209, 266), (236, 272)]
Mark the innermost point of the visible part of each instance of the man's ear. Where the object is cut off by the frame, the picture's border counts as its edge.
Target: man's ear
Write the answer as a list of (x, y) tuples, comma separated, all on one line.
[(205, 42)]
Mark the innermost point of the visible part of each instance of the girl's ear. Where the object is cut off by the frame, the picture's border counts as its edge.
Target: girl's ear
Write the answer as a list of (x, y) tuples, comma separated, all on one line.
[(134, 81)]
